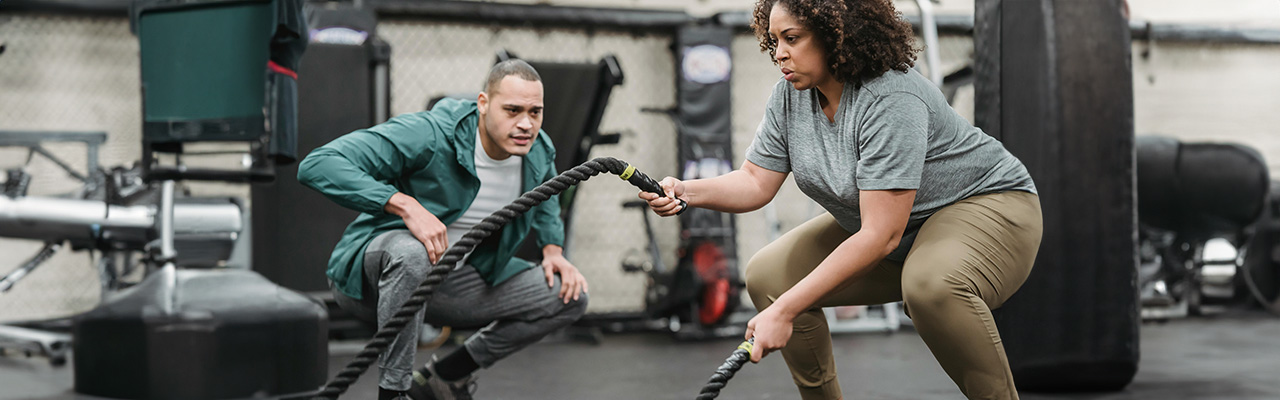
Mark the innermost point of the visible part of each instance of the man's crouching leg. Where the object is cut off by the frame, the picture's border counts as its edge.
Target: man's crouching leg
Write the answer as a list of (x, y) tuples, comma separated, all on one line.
[(514, 314), (394, 264)]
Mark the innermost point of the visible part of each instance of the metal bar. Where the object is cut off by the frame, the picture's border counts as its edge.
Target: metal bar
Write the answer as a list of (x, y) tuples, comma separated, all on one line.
[(929, 29), (212, 153), (81, 7), (164, 221), (35, 138), (205, 230), (65, 166), (164, 224), (27, 267), (1145, 30), (381, 108), (255, 175), (50, 344), (91, 165), (535, 15), (42, 337), (58, 219)]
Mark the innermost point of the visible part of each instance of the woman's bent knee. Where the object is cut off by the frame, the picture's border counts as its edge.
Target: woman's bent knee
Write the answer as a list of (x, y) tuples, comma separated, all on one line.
[(762, 280), (930, 292)]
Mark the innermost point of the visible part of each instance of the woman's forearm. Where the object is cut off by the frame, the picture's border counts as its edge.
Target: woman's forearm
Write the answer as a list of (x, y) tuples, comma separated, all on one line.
[(735, 192)]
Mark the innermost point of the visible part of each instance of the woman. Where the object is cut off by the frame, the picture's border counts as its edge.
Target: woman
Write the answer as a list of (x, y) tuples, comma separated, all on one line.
[(922, 207)]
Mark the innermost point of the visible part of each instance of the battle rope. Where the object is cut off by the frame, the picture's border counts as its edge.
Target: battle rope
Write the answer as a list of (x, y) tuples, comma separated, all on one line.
[(725, 371), (490, 224)]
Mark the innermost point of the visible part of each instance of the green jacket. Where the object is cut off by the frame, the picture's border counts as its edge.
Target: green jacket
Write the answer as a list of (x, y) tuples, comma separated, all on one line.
[(430, 156)]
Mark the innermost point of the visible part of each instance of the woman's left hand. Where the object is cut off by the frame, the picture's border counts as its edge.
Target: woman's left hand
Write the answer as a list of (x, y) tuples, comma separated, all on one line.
[(771, 329)]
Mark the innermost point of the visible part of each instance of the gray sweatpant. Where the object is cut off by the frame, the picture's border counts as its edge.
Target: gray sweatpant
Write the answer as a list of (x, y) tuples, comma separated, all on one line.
[(513, 314)]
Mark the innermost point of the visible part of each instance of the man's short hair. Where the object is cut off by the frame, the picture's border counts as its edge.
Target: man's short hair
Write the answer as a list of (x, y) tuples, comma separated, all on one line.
[(507, 68)]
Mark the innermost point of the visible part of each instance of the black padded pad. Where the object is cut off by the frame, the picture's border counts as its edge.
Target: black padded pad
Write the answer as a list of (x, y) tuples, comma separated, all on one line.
[(570, 95), (1199, 189), (201, 334)]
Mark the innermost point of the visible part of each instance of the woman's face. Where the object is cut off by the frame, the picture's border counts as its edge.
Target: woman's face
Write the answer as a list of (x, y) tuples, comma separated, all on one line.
[(799, 54)]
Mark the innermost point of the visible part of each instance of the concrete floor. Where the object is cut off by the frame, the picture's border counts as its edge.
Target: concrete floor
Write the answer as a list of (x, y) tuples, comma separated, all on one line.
[(1236, 356)]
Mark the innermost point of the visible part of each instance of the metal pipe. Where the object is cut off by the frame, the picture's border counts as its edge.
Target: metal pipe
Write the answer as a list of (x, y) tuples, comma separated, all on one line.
[(52, 345), (13, 277), (164, 221), (164, 226), (52, 218), (59, 219), (381, 110), (929, 28)]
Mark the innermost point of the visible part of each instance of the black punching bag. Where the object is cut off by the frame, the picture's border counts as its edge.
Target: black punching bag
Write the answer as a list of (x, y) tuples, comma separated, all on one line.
[(1055, 86)]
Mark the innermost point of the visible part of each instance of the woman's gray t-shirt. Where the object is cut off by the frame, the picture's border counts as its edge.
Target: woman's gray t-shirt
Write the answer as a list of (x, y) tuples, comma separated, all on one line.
[(895, 132)]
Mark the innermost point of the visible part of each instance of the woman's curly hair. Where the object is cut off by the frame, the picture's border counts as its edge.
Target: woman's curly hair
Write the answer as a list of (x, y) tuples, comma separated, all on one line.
[(863, 39)]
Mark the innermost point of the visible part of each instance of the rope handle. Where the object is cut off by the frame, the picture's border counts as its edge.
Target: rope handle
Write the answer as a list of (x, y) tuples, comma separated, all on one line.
[(645, 183)]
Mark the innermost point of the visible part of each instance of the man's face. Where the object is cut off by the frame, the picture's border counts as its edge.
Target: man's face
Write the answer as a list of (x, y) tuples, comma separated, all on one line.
[(511, 116)]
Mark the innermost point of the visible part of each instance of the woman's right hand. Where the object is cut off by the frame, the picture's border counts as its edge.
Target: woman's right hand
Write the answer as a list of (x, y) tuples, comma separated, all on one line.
[(666, 205)]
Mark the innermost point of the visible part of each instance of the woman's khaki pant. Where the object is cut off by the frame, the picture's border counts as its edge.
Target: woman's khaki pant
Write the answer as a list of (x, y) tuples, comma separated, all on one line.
[(967, 259)]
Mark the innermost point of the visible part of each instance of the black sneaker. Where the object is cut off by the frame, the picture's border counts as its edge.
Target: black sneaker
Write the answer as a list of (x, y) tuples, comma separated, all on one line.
[(434, 388)]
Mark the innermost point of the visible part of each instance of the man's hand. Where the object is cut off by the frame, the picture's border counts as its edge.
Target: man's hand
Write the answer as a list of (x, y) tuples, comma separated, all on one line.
[(668, 205), (572, 283), (771, 330), (421, 223)]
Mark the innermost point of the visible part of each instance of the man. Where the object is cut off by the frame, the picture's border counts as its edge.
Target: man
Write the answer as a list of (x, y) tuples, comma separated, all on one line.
[(421, 181)]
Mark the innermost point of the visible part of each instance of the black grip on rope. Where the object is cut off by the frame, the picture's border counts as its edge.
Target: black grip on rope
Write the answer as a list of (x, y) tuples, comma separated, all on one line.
[(640, 180), (405, 315), (725, 371), (645, 183)]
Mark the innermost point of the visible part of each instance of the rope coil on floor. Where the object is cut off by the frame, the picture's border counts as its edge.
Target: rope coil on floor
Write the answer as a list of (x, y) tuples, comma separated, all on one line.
[(486, 227), (725, 371)]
